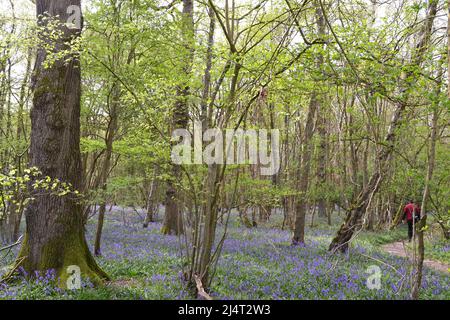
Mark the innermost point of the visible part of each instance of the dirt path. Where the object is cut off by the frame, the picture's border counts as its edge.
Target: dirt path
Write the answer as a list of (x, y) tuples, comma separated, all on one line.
[(398, 249)]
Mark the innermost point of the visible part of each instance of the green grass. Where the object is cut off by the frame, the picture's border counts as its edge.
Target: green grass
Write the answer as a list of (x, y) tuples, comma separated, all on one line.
[(379, 238), (439, 250)]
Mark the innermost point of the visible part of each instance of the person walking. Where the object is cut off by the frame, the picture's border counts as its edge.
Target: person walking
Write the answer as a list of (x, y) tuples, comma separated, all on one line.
[(411, 213)]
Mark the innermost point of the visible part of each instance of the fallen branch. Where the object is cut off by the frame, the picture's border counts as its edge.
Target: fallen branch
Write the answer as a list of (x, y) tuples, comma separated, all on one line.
[(201, 293), (12, 245), (8, 276)]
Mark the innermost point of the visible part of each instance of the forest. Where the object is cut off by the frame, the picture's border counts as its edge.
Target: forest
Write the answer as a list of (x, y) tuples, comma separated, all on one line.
[(224, 150)]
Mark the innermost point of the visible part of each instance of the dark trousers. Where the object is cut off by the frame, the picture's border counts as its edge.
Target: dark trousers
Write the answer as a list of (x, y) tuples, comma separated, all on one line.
[(410, 229)]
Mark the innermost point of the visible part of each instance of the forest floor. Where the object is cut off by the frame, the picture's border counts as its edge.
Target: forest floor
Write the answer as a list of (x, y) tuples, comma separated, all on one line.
[(257, 263), (404, 249)]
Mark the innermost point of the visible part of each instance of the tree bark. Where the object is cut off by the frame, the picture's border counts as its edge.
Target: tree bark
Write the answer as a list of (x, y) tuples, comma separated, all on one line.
[(173, 217), (205, 111), (300, 205), (55, 237), (419, 238), (315, 103), (109, 140), (322, 162), (151, 204)]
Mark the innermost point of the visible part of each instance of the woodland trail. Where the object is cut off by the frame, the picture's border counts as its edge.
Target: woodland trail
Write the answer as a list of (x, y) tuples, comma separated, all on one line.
[(399, 249)]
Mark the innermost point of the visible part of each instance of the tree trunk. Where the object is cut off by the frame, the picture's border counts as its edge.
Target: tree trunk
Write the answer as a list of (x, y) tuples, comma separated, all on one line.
[(151, 206), (418, 264), (210, 212), (55, 237), (173, 217), (315, 103), (321, 162), (322, 132), (109, 140), (205, 112), (300, 206)]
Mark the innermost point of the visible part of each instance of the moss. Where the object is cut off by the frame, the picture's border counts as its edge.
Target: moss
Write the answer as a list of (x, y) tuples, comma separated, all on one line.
[(74, 252), (165, 230)]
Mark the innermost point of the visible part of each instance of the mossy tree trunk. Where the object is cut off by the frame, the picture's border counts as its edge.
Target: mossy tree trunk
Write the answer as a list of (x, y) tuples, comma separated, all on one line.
[(55, 237)]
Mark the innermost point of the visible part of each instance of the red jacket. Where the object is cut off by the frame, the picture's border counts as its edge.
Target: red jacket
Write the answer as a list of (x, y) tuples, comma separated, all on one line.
[(409, 211)]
